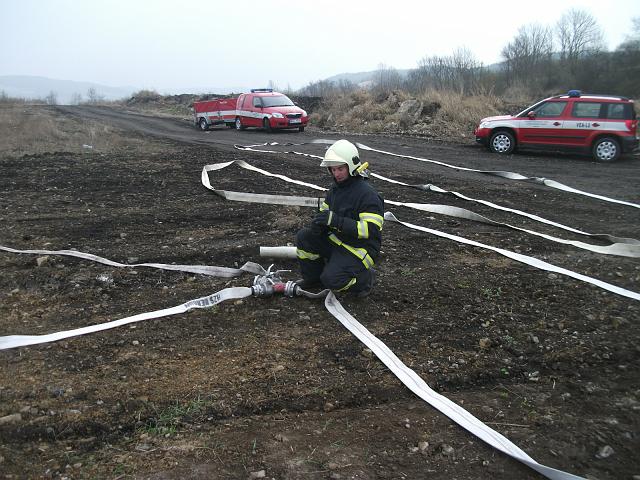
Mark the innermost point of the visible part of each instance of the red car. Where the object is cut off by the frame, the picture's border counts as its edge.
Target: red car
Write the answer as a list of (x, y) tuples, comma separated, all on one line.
[(604, 125), (264, 108)]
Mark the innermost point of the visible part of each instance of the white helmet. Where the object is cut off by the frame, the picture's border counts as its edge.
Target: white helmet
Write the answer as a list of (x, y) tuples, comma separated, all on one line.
[(340, 153)]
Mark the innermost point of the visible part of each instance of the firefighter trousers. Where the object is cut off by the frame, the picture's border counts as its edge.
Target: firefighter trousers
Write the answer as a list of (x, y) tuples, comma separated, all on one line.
[(332, 265)]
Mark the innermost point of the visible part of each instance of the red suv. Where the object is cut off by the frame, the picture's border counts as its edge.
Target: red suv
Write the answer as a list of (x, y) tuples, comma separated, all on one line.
[(604, 125), (269, 110)]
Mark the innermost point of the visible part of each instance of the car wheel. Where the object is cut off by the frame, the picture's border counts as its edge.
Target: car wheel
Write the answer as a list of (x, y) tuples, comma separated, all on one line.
[(203, 124), (239, 125), (606, 149), (266, 125), (502, 142), (301, 129)]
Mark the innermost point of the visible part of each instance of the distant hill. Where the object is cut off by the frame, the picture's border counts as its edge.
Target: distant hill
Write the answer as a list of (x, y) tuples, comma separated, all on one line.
[(366, 78), (30, 87), (360, 78)]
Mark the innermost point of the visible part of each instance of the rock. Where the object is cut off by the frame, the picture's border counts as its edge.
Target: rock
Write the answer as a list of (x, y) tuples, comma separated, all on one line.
[(278, 368), (11, 419), (335, 476), (56, 391), (422, 446), (605, 452), (281, 438), (258, 474), (328, 407), (105, 278), (333, 466), (447, 450), (484, 343), (42, 261), (411, 108)]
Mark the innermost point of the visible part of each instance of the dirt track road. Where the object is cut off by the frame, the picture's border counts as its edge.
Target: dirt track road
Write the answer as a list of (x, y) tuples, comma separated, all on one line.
[(276, 384)]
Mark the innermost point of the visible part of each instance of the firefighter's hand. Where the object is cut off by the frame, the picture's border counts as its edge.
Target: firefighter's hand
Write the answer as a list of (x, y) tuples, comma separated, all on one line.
[(322, 218), (327, 218)]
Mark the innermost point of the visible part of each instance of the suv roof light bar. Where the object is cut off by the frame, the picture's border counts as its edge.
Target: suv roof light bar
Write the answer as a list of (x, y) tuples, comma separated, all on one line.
[(262, 90), (578, 94)]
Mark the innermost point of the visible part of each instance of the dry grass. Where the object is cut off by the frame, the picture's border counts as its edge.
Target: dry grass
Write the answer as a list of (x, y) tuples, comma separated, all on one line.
[(33, 129), (443, 114)]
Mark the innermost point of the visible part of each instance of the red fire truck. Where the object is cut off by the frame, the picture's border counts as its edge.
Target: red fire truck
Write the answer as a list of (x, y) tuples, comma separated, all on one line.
[(262, 108)]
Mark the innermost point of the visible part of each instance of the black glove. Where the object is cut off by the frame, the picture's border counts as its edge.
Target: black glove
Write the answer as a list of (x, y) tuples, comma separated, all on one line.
[(327, 218), (321, 219)]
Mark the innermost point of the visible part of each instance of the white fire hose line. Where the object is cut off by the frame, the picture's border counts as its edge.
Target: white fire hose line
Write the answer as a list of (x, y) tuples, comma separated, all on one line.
[(531, 261), (418, 386), (497, 173), (407, 376), (13, 341), (620, 249), (429, 187), (224, 272), (307, 201), (629, 249), (436, 189), (507, 175)]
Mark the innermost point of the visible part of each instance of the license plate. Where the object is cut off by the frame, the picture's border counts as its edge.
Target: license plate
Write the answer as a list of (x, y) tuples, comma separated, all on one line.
[(295, 120)]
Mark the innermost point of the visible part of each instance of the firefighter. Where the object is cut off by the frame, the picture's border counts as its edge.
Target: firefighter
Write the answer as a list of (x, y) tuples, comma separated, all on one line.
[(339, 248)]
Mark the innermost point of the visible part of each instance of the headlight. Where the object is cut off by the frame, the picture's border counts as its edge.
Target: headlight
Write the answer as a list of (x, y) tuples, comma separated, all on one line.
[(277, 115)]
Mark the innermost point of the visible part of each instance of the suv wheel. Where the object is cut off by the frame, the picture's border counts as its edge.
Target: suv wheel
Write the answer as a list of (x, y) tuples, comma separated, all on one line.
[(203, 124), (502, 142), (606, 149), (266, 125), (239, 125)]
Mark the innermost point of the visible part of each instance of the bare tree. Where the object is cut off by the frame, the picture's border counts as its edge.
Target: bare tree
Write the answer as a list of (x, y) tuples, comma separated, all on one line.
[(76, 98), (579, 35), (93, 96), (52, 98), (632, 41), (528, 55), (466, 70), (386, 79)]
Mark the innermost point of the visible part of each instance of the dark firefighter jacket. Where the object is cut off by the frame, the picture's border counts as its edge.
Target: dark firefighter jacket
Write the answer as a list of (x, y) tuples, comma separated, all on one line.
[(362, 209)]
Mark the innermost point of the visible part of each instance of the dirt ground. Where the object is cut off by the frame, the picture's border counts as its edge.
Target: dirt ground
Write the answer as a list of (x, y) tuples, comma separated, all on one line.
[(276, 387)]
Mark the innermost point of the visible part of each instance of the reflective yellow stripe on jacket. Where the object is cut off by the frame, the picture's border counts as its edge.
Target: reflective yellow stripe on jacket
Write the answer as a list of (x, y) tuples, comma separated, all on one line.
[(365, 219), (361, 253)]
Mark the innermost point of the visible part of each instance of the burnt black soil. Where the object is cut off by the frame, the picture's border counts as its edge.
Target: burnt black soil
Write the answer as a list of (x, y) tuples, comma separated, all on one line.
[(277, 384)]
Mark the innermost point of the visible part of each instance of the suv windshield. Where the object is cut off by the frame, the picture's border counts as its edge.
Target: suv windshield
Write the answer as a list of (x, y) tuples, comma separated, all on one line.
[(277, 101)]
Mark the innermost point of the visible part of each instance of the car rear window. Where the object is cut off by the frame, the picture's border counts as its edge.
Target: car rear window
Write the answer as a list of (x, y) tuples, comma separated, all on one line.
[(620, 111)]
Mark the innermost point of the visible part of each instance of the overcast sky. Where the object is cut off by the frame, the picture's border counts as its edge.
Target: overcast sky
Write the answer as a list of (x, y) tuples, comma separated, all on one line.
[(170, 44)]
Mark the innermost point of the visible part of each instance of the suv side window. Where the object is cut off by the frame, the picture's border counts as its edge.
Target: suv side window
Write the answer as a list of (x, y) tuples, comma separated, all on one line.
[(587, 109), (550, 109), (257, 102), (620, 111)]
